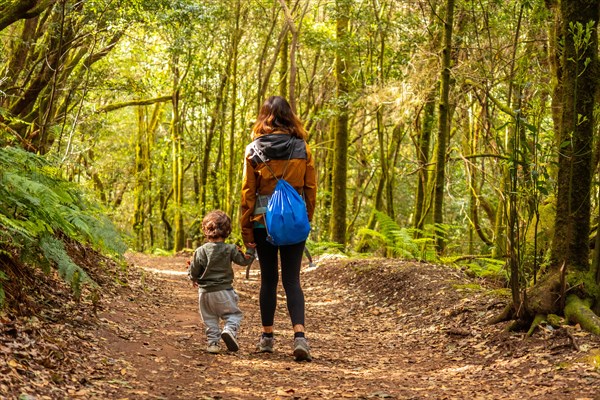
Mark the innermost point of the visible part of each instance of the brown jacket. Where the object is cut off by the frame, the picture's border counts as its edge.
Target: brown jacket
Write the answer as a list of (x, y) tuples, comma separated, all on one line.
[(258, 179)]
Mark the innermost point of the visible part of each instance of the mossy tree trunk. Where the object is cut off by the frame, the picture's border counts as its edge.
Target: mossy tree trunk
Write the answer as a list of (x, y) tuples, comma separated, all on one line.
[(143, 203), (576, 80), (443, 125), (229, 205), (423, 148), (575, 135), (177, 167), (423, 142), (139, 190), (13, 11), (284, 64), (340, 157)]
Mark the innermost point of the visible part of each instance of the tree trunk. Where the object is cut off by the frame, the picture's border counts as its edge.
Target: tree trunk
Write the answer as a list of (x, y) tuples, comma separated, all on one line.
[(295, 29), (443, 126), (576, 133), (383, 160), (212, 130), (177, 182), (577, 78), (139, 185), (264, 83), (284, 67), (340, 158), (423, 144), (234, 88)]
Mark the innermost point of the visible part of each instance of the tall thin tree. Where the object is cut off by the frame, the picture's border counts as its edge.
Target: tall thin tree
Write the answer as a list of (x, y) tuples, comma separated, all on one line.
[(340, 157), (443, 126)]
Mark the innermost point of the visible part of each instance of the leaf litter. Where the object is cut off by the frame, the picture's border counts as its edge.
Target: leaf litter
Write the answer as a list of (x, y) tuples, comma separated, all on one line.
[(379, 329)]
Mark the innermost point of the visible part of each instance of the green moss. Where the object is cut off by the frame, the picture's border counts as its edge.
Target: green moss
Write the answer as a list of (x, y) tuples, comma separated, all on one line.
[(564, 365), (555, 320), (502, 292), (592, 359), (584, 282), (468, 287)]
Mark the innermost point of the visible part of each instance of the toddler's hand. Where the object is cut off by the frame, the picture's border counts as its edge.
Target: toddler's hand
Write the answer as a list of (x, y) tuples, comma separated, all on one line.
[(249, 253)]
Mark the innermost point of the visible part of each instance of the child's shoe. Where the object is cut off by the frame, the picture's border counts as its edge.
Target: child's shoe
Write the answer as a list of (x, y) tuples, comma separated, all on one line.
[(230, 340), (301, 349), (213, 348), (265, 344)]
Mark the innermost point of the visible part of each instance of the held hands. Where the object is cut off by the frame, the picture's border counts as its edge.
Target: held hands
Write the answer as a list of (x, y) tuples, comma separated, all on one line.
[(250, 250)]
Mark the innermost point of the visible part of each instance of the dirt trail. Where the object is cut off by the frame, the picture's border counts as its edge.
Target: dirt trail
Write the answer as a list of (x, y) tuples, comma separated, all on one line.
[(405, 331)]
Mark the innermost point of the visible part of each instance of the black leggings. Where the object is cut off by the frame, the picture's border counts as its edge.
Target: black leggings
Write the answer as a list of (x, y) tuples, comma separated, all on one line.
[(291, 259)]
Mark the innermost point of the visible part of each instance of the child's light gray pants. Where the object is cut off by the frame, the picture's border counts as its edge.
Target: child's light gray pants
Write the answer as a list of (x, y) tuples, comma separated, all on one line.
[(214, 306)]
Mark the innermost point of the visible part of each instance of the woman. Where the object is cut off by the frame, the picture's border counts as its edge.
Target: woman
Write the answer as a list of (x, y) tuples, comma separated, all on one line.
[(280, 137)]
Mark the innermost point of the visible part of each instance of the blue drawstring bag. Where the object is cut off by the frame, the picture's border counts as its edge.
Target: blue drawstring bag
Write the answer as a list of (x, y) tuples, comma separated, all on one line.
[(286, 217)]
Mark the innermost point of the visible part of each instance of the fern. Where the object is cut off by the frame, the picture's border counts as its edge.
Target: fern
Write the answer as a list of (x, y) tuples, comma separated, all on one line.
[(481, 267), (36, 204), (54, 250), (34, 201), (395, 240), (321, 248)]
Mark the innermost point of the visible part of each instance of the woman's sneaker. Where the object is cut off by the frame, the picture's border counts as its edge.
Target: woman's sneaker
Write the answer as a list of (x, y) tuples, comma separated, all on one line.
[(230, 340), (265, 344), (301, 349)]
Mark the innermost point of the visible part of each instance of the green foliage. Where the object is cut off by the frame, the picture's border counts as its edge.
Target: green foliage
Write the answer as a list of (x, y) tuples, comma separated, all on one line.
[(488, 268), (468, 287), (161, 252), (396, 241), (35, 201), (320, 248), (3, 277), (584, 283), (54, 250), (36, 206)]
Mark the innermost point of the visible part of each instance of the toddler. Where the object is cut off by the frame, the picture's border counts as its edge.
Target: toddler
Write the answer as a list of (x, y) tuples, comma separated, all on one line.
[(210, 270)]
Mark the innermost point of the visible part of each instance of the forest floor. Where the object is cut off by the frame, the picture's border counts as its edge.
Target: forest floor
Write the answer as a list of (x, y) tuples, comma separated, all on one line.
[(378, 328)]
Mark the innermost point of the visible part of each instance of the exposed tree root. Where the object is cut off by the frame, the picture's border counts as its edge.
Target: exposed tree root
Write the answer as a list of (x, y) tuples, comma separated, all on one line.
[(507, 314), (578, 311), (555, 320), (536, 322), (543, 302)]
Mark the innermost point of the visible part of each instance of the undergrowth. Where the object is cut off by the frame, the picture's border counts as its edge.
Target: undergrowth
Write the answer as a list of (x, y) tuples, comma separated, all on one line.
[(38, 207), (395, 241)]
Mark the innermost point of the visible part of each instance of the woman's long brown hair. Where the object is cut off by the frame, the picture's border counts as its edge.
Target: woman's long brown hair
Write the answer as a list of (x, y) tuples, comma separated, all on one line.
[(276, 116)]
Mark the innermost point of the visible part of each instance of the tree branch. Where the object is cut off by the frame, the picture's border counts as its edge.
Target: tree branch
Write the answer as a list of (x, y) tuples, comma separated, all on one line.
[(13, 11), (116, 106), (502, 107)]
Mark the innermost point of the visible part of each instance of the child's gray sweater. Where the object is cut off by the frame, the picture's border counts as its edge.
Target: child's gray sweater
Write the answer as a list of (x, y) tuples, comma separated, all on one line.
[(211, 265)]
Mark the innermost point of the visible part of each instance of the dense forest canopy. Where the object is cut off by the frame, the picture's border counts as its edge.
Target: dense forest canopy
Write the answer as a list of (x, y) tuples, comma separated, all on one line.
[(440, 128)]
